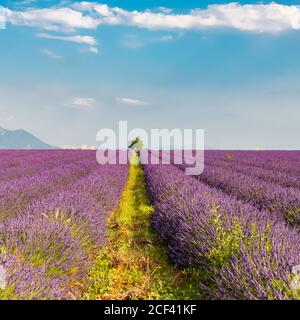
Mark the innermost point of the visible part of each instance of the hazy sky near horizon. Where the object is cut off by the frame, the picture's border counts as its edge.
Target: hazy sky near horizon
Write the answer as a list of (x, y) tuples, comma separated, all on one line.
[(71, 68)]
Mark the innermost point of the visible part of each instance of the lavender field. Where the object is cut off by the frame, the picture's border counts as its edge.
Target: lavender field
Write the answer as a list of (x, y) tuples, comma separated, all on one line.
[(238, 222), (53, 210), (235, 227)]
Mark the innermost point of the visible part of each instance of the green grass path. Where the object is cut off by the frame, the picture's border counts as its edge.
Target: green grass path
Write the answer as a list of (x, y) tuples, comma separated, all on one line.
[(134, 265)]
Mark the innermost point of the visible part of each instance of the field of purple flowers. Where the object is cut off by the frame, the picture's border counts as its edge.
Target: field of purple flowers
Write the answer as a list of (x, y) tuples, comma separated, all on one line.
[(53, 207), (237, 224)]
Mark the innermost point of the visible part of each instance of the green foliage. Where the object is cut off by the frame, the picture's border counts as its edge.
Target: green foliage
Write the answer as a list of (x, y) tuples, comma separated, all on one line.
[(280, 285), (136, 144), (8, 294), (228, 240), (293, 216)]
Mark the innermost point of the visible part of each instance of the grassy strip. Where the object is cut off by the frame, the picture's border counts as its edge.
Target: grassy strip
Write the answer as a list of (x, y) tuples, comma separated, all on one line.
[(134, 264)]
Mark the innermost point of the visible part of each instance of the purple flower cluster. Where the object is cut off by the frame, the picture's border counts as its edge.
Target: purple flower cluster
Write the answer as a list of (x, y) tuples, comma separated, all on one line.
[(14, 165), (240, 251), (52, 222), (277, 161), (289, 180), (275, 191), (16, 194)]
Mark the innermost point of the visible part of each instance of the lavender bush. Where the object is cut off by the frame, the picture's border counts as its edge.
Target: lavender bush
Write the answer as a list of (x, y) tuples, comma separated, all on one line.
[(243, 252), (47, 239)]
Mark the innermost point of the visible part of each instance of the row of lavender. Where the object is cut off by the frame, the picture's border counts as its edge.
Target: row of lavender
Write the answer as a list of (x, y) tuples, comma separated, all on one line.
[(52, 221), (278, 176), (241, 252), (277, 161), (18, 164), (16, 194), (249, 176)]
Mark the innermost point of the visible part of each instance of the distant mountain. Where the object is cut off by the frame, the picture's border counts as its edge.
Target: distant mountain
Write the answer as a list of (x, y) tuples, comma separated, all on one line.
[(21, 139)]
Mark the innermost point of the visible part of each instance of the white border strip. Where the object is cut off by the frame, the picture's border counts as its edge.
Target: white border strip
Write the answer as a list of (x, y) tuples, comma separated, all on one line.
[(2, 18)]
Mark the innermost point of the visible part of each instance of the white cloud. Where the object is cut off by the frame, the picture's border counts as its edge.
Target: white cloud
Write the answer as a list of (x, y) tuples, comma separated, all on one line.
[(132, 101), (102, 9), (88, 40), (58, 19), (271, 17), (84, 104), (51, 54), (77, 39), (134, 41)]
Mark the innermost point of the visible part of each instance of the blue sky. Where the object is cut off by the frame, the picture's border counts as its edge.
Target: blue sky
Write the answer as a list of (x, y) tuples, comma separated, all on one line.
[(68, 70)]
